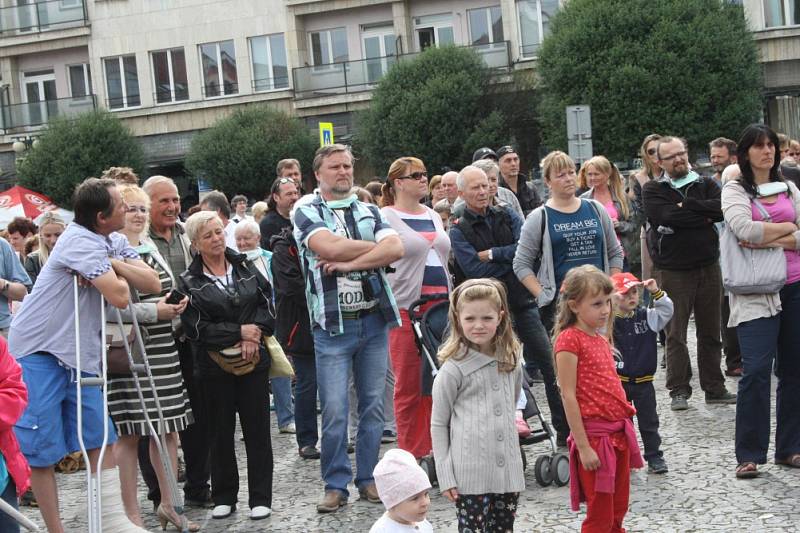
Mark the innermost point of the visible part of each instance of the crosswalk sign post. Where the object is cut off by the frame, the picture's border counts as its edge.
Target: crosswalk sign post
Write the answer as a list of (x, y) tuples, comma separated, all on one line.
[(325, 133)]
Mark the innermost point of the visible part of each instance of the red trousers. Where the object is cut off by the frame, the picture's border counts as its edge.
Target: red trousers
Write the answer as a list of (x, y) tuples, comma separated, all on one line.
[(412, 410), (605, 512)]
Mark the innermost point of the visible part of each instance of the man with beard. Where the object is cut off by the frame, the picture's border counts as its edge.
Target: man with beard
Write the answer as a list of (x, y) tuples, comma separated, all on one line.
[(682, 208), (722, 153), (283, 194), (344, 245)]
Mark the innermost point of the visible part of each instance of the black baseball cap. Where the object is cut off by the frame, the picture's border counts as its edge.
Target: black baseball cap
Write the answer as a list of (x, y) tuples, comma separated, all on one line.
[(484, 153), (505, 150)]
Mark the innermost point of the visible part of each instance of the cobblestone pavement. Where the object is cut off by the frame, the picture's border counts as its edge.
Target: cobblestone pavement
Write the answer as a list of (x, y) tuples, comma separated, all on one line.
[(700, 493)]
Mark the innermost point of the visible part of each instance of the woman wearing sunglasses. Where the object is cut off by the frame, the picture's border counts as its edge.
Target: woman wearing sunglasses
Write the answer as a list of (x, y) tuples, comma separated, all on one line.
[(650, 170), (421, 271)]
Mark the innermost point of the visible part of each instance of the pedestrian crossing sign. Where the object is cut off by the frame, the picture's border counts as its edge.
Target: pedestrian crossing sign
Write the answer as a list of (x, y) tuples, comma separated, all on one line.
[(325, 133)]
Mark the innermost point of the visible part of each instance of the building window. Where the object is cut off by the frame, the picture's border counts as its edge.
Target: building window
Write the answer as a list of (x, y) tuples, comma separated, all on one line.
[(485, 25), (169, 75), (329, 46), (534, 23), (434, 30), (122, 82), (219, 69), (268, 55), (80, 80), (781, 13)]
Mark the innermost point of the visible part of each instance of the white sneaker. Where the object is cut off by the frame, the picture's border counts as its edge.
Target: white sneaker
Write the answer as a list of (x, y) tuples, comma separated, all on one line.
[(288, 428), (222, 511), (258, 512)]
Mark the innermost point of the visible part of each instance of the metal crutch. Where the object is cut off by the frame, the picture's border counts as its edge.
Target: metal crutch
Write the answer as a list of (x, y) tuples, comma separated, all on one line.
[(19, 517), (93, 479), (160, 436)]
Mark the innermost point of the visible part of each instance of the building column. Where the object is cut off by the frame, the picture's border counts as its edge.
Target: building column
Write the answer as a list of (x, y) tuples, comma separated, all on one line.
[(511, 27), (403, 28), (296, 42)]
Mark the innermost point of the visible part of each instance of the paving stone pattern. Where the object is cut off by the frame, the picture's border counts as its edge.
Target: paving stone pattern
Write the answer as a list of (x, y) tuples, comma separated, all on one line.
[(700, 493)]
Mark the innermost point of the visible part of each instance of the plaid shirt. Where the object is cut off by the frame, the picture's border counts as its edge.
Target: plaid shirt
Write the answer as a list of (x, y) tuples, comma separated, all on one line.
[(322, 290)]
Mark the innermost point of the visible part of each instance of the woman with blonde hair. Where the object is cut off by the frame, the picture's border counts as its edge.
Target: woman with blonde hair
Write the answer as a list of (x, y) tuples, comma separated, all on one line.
[(649, 171), (422, 271), (436, 192), (604, 184), (156, 317), (51, 227)]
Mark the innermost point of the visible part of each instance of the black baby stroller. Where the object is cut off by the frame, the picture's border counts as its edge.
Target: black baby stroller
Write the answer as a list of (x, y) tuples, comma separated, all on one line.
[(430, 329)]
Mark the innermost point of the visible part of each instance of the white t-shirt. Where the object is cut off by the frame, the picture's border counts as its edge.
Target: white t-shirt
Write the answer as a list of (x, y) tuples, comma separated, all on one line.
[(351, 292), (230, 236), (385, 524)]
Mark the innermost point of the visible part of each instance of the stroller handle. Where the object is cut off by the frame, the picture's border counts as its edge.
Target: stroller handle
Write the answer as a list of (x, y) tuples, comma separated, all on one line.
[(425, 298)]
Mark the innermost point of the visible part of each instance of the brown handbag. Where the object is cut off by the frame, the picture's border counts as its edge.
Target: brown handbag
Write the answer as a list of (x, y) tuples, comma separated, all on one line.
[(116, 356)]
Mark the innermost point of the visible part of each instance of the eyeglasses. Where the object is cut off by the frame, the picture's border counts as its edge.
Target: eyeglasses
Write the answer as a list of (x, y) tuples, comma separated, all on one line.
[(414, 176), (283, 181), (673, 156), (137, 209)]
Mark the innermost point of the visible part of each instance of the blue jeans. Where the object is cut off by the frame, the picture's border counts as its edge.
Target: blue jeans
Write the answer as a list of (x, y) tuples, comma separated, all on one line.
[(305, 401), (787, 369), (758, 339), (360, 349), (282, 396), (9, 495), (537, 349)]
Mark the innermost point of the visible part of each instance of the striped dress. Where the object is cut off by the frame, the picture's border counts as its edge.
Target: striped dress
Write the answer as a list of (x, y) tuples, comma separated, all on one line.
[(162, 355)]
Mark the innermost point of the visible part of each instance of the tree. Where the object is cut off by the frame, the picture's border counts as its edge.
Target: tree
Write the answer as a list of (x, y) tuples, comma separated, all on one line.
[(73, 149), (680, 67), (239, 153), (440, 106)]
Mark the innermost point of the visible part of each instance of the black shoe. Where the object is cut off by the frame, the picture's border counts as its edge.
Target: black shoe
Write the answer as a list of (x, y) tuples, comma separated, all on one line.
[(309, 452), (657, 465), (202, 500), (724, 397)]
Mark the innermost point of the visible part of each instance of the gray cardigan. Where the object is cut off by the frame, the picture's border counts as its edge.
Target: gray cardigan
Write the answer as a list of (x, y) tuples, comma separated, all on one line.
[(475, 440), (533, 243), (737, 210)]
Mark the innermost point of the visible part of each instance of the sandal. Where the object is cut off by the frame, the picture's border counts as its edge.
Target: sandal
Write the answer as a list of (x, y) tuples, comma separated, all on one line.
[(746, 470), (792, 461)]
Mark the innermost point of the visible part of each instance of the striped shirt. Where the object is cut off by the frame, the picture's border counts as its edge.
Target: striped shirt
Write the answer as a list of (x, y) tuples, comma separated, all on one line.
[(434, 280)]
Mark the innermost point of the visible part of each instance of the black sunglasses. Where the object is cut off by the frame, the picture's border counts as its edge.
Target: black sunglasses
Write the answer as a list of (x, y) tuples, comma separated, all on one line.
[(414, 176), (651, 151)]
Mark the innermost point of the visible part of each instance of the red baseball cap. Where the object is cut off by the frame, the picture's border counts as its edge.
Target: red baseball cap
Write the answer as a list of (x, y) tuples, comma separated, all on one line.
[(624, 281)]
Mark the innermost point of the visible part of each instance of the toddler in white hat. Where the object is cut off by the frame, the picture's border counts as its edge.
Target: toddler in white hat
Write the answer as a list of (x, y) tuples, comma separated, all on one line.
[(403, 488)]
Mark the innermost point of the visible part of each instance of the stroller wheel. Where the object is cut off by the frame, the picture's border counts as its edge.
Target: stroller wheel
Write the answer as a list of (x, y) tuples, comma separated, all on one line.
[(542, 471), (428, 465), (559, 466)]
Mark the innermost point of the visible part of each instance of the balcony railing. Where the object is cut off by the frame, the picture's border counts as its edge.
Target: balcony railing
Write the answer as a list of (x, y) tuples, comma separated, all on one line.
[(39, 16), (16, 116), (362, 74)]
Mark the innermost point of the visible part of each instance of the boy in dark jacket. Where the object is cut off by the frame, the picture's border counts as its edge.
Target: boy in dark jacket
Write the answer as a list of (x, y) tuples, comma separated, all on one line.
[(293, 331), (635, 338)]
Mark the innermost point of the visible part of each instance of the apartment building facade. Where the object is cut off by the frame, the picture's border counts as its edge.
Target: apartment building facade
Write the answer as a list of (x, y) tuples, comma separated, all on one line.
[(169, 69), (776, 29)]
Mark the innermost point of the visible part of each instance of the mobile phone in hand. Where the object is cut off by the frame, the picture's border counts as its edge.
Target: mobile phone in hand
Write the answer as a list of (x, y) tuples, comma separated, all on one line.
[(174, 298)]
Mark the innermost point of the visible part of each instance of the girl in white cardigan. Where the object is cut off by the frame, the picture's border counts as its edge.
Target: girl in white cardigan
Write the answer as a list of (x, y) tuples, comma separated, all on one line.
[(475, 441)]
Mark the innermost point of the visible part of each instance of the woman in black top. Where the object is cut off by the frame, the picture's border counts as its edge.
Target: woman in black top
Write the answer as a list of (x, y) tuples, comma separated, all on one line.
[(230, 308)]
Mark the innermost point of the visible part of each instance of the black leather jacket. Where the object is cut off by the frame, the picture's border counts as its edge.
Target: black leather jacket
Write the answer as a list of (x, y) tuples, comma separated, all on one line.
[(214, 316)]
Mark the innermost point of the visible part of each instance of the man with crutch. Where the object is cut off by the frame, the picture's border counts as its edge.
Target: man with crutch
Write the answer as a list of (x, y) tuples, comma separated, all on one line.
[(42, 339)]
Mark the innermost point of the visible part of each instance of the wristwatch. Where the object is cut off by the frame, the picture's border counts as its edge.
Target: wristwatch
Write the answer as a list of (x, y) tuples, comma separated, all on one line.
[(490, 255)]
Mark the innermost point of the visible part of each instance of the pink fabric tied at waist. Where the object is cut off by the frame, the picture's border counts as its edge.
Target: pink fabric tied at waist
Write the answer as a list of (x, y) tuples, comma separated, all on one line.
[(606, 473)]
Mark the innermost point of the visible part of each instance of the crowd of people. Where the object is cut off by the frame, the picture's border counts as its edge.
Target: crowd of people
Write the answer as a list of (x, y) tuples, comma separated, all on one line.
[(573, 284)]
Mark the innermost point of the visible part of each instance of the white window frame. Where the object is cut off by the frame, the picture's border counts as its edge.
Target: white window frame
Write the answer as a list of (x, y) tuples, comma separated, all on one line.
[(39, 79), (786, 11), (70, 4), (329, 32), (86, 81), (172, 99), (219, 70), (272, 87), (437, 27), (539, 21), (488, 12), (123, 83)]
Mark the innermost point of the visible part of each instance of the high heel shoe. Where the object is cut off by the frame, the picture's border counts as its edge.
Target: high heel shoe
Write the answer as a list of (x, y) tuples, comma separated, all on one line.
[(164, 518)]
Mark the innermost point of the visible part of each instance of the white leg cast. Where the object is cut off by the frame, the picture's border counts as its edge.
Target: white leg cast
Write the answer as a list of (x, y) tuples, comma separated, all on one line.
[(114, 518)]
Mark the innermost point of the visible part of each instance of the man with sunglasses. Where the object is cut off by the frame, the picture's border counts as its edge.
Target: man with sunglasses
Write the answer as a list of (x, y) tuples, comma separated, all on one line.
[(282, 196), (511, 178), (681, 208)]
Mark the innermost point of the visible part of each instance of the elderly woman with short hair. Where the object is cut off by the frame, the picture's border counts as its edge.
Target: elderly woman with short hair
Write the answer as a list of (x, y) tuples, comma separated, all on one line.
[(230, 311), (248, 238)]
